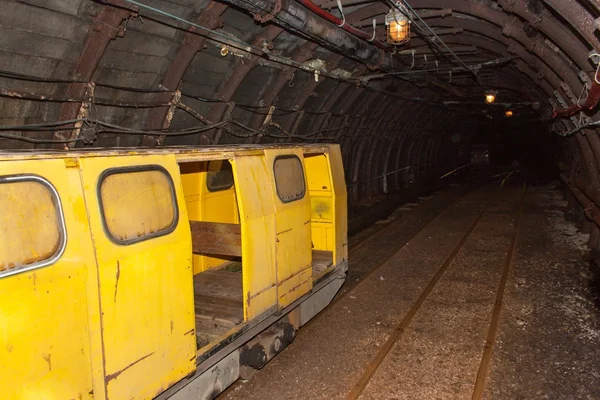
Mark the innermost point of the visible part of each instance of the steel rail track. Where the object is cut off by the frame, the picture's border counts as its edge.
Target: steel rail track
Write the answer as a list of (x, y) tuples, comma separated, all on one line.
[(490, 339), (368, 238), (373, 366)]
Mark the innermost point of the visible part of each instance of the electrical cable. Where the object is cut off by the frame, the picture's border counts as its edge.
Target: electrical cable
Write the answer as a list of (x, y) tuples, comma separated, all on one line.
[(442, 42), (31, 78), (37, 141), (227, 40), (243, 46)]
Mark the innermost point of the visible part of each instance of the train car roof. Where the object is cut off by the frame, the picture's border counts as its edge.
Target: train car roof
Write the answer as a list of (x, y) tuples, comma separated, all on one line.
[(182, 153)]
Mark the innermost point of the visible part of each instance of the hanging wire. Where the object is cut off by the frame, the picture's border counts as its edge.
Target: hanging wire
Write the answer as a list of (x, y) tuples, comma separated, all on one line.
[(244, 46), (339, 5), (375, 31)]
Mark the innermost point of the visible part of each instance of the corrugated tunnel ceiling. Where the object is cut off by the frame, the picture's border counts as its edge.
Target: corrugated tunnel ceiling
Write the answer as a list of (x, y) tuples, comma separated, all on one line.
[(119, 73)]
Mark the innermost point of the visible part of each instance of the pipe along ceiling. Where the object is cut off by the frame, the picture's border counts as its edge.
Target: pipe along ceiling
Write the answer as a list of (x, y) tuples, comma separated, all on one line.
[(115, 73)]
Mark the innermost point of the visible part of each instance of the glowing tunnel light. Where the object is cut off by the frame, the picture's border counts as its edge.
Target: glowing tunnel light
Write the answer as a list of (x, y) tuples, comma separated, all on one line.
[(490, 96), (398, 25)]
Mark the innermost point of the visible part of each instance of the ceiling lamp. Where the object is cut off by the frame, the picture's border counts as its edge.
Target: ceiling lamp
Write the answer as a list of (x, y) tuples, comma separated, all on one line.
[(508, 113), (490, 96), (397, 24)]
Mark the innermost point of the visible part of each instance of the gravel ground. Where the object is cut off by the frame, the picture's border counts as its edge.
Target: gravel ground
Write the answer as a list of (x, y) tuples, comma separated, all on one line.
[(548, 345), (549, 341)]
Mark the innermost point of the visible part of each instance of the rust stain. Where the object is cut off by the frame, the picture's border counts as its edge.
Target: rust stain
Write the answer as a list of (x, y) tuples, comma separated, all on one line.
[(190, 332), (250, 297), (117, 282), (172, 326), (114, 375), (48, 358)]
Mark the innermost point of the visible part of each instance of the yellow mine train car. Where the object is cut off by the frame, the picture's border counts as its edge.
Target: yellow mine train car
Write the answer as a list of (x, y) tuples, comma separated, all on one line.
[(134, 274)]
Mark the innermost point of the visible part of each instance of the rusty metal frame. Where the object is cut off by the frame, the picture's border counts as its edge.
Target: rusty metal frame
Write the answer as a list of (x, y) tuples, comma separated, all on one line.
[(191, 44), (230, 85), (106, 26), (302, 54)]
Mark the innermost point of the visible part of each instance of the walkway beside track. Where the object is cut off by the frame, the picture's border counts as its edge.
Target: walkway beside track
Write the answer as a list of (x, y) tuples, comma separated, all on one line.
[(418, 325)]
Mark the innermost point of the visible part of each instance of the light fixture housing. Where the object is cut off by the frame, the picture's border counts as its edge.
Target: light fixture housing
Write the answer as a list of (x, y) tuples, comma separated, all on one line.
[(490, 96), (508, 113), (397, 24)]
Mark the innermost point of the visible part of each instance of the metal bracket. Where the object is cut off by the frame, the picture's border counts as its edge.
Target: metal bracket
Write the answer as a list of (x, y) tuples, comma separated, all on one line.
[(584, 78), (565, 87), (594, 57), (563, 104), (269, 15)]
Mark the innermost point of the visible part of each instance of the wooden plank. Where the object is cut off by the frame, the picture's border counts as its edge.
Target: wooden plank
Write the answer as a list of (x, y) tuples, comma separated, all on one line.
[(321, 261), (322, 257), (218, 309), (220, 284), (216, 238)]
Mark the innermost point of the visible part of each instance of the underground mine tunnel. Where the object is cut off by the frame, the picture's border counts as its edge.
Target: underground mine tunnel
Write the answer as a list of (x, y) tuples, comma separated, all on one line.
[(300, 199)]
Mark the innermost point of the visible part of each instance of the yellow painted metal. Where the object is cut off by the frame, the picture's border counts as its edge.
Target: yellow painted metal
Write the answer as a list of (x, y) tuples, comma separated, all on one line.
[(257, 217), (122, 322), (322, 201), (146, 291), (336, 170), (294, 253), (204, 205), (49, 327)]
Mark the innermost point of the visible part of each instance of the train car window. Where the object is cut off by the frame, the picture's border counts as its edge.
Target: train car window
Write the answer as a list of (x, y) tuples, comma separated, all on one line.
[(32, 226), (137, 203), (289, 178), (219, 176)]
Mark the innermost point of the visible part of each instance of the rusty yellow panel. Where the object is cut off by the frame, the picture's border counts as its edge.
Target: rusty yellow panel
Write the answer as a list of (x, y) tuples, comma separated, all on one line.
[(321, 206), (336, 169), (317, 173), (322, 235), (193, 176), (49, 326), (146, 289), (322, 200), (295, 286), (293, 216), (257, 218)]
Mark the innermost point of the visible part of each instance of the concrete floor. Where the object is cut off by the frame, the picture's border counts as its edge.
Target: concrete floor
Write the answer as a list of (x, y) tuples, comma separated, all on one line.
[(548, 343)]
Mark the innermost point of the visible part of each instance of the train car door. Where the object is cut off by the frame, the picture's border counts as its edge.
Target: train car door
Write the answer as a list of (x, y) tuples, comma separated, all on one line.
[(257, 219), (48, 298), (142, 240), (293, 214)]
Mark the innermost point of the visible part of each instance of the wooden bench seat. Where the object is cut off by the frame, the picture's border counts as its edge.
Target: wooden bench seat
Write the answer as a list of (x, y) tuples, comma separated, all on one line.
[(216, 238)]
